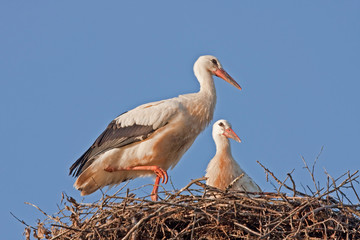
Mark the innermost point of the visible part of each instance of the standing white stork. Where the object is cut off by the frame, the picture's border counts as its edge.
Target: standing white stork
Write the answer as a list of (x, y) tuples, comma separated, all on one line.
[(223, 169), (151, 137)]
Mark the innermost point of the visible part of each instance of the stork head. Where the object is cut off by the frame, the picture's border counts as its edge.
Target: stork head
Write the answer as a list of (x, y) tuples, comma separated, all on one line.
[(212, 65), (222, 129)]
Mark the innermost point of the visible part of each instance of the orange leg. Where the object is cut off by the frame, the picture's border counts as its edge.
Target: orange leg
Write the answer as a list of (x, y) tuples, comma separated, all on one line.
[(154, 193), (160, 173)]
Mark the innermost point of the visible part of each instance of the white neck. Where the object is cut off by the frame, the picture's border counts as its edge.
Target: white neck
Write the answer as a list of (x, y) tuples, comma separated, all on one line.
[(201, 105), (206, 81), (222, 145), (207, 89)]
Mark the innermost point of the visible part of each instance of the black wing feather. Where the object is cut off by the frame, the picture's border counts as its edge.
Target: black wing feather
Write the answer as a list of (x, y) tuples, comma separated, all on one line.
[(114, 136)]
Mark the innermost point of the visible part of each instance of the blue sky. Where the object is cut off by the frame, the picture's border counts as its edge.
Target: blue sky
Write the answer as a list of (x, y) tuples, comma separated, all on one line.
[(68, 68)]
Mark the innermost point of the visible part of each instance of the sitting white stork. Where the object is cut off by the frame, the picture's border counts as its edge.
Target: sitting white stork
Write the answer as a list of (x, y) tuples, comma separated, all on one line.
[(150, 138), (223, 169)]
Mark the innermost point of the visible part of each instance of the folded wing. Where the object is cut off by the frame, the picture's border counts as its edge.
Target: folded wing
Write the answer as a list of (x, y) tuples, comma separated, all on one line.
[(130, 127)]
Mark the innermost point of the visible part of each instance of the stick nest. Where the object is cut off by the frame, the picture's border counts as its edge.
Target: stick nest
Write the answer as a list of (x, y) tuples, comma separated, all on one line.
[(198, 211)]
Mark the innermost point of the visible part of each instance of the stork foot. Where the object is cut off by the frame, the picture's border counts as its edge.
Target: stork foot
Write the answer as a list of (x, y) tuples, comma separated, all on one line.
[(161, 173), (110, 169)]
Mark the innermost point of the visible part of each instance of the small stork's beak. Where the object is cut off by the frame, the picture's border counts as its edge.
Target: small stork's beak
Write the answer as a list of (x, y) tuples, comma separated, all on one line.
[(221, 73), (229, 133)]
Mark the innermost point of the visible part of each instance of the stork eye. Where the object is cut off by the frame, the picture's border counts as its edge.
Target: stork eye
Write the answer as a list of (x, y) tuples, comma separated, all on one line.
[(214, 61), (221, 124)]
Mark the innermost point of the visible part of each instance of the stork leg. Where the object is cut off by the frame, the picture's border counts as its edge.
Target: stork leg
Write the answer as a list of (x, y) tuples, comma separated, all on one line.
[(154, 193), (160, 174)]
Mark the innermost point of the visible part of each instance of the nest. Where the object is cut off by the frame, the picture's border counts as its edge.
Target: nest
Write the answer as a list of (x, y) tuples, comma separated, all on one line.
[(198, 211)]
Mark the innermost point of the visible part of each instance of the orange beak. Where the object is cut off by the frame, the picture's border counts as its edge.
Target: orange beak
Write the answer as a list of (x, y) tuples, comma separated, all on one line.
[(221, 73), (229, 133)]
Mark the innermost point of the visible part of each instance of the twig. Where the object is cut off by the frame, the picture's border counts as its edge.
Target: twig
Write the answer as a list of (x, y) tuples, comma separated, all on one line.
[(296, 210), (247, 229), (140, 222), (352, 186), (54, 219), (187, 186), (22, 221), (312, 212), (193, 226), (311, 174), (293, 183), (351, 177), (70, 228), (279, 182), (234, 181)]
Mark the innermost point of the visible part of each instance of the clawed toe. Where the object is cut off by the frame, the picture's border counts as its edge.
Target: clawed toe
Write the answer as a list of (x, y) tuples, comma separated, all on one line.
[(109, 169), (162, 174)]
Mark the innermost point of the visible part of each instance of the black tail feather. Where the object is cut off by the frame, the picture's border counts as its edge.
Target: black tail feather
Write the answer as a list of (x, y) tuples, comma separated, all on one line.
[(78, 167)]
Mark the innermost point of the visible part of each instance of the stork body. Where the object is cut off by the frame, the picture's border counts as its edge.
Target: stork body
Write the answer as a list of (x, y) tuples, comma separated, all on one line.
[(150, 138), (223, 169)]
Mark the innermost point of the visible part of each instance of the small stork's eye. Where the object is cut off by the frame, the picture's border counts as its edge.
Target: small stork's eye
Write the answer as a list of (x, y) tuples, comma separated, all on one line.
[(214, 62), (221, 124)]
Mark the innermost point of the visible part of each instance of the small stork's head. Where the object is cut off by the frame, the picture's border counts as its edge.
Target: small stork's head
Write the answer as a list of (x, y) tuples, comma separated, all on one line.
[(222, 129), (212, 65)]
